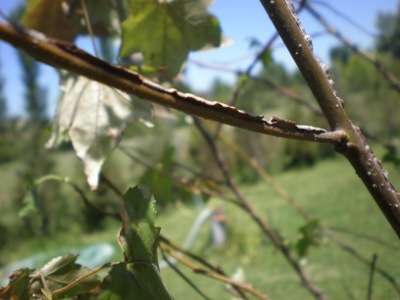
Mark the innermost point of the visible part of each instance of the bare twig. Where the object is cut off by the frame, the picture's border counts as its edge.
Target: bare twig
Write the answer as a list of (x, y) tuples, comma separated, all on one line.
[(89, 27), (177, 180), (91, 206), (188, 169), (371, 277), (345, 17), (374, 239), (269, 44), (217, 276), (263, 224), (180, 274), (111, 185), (361, 258), (264, 175), (289, 93), (83, 277)]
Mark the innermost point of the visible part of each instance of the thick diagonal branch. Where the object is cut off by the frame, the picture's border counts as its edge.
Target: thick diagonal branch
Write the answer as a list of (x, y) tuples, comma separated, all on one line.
[(356, 150), (67, 56)]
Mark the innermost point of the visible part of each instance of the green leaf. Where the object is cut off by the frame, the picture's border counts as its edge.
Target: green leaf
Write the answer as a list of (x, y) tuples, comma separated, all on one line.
[(57, 273), (392, 154), (138, 236), (254, 43), (161, 184), (59, 264), (47, 16), (131, 281), (166, 31), (18, 287), (95, 117), (63, 270), (266, 58), (311, 235), (29, 204), (147, 71), (242, 79), (138, 277)]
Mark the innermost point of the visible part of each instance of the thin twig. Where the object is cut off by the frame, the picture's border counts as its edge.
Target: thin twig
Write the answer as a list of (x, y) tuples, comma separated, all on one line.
[(83, 277), (375, 239), (180, 181), (89, 27), (269, 44), (200, 260), (183, 276), (86, 201), (193, 256), (189, 169), (350, 20), (371, 276), (111, 185), (263, 224), (264, 175), (356, 254), (217, 276)]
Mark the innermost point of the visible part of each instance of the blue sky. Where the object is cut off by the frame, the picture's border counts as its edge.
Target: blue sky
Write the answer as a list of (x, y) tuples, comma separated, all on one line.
[(241, 20)]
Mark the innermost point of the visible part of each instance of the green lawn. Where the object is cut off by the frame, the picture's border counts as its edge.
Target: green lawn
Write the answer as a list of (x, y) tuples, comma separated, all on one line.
[(330, 191)]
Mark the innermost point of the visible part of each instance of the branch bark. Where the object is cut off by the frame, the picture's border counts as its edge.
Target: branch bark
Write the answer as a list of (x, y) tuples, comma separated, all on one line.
[(356, 148), (67, 56)]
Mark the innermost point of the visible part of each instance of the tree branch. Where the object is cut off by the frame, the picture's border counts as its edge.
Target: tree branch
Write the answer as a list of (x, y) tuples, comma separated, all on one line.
[(67, 56), (356, 149), (217, 276), (263, 224)]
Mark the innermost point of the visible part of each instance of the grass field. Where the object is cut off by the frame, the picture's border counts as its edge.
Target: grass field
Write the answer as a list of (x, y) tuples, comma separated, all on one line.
[(330, 191)]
